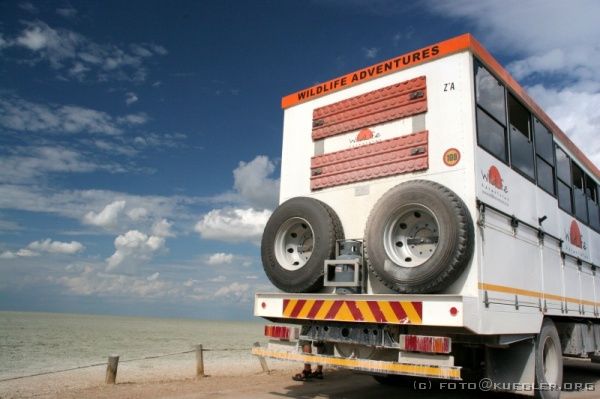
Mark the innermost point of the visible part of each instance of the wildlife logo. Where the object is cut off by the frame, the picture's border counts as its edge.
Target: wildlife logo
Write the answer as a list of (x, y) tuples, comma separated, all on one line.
[(494, 186)]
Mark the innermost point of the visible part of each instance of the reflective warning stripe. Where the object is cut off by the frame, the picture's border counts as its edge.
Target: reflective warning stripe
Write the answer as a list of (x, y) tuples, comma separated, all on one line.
[(394, 312), (376, 366)]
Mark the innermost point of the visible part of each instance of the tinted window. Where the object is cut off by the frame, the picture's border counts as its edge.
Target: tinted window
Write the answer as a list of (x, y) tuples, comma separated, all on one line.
[(543, 142), (545, 175), (591, 189), (521, 145), (580, 205), (578, 178), (564, 197), (594, 214), (490, 94), (491, 135), (563, 166)]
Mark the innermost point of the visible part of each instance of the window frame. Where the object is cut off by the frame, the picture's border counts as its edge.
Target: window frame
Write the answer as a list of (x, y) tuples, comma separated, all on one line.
[(477, 63), (533, 154)]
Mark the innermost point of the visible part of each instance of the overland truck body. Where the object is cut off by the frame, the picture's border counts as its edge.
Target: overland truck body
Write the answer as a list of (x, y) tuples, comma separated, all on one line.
[(433, 219)]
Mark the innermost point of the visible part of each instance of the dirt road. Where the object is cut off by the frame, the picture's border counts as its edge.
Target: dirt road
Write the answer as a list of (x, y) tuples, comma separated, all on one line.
[(337, 384)]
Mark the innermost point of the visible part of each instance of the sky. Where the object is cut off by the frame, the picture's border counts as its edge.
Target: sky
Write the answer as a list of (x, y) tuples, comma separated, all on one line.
[(140, 141)]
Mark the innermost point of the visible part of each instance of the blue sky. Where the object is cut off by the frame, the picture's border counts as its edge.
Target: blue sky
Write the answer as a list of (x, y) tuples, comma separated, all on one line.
[(140, 140)]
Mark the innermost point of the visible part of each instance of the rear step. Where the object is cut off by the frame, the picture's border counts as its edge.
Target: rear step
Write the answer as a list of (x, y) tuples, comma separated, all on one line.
[(370, 366)]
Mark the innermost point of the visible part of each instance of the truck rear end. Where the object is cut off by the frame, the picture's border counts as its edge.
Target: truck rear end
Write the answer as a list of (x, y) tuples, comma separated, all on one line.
[(373, 241)]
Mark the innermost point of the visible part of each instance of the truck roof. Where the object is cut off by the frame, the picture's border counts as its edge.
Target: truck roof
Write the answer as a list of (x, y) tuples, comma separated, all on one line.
[(465, 42)]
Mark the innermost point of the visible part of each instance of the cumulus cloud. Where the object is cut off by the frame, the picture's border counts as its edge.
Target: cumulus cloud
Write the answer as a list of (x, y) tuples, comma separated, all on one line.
[(56, 247), (22, 115), (220, 258), (556, 62), (132, 248), (130, 98), (235, 290), (253, 184), (48, 246), (78, 57), (162, 228), (107, 217), (233, 225)]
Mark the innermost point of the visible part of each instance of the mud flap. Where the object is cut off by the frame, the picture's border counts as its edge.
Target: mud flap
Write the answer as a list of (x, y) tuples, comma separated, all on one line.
[(512, 369)]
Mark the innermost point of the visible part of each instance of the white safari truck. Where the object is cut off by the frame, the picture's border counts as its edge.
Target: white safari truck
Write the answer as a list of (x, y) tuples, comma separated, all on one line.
[(433, 222)]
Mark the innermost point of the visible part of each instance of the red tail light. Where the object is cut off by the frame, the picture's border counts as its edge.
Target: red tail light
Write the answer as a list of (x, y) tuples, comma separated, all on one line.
[(423, 343), (281, 332)]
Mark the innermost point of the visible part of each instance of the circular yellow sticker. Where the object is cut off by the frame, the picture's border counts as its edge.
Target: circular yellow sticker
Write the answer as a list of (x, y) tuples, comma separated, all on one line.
[(451, 156)]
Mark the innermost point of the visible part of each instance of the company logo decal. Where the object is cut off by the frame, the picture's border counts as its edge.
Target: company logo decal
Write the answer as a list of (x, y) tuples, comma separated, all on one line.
[(574, 236), (365, 136), (493, 185)]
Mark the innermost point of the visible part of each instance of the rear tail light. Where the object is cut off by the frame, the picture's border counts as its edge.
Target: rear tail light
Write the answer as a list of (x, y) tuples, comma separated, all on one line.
[(281, 332), (424, 343)]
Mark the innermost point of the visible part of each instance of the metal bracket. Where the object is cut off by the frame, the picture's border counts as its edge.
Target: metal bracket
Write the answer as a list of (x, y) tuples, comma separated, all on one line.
[(486, 300), (516, 302)]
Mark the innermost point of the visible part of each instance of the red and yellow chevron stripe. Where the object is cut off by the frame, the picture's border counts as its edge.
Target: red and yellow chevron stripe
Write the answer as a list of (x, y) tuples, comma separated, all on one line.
[(393, 312)]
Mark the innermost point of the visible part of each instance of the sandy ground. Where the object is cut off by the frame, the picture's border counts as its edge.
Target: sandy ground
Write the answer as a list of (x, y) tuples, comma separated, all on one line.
[(246, 382)]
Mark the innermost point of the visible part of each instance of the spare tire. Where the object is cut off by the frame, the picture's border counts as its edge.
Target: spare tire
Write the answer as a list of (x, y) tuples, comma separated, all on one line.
[(299, 236), (419, 237)]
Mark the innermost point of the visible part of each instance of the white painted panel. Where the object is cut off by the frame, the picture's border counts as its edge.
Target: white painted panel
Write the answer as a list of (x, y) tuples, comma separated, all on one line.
[(552, 275), (571, 284), (587, 289)]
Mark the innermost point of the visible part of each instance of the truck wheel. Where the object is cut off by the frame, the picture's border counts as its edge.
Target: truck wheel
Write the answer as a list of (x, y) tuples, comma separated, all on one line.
[(548, 361), (419, 237), (300, 235)]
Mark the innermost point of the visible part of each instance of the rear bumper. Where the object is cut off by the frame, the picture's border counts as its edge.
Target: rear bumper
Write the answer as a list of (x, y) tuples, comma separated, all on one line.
[(369, 366), (426, 310)]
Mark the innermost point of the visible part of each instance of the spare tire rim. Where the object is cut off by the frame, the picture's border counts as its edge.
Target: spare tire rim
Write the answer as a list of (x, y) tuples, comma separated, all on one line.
[(294, 243), (411, 235)]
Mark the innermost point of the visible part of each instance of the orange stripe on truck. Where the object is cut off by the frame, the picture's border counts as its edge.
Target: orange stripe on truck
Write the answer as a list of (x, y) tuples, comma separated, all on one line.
[(393, 312)]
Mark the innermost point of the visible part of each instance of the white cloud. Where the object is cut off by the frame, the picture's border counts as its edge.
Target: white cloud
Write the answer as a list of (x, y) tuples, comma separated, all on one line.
[(69, 51), (162, 228), (67, 12), (107, 217), (234, 290), (133, 119), (29, 7), (132, 248), (136, 214), (22, 115), (220, 258), (130, 98), (4, 43), (556, 61), (370, 52), (153, 276), (29, 163), (56, 247), (252, 182), (218, 279), (49, 246), (233, 225)]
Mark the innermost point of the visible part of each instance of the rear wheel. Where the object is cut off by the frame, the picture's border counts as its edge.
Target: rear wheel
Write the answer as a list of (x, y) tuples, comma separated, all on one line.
[(300, 235), (548, 362)]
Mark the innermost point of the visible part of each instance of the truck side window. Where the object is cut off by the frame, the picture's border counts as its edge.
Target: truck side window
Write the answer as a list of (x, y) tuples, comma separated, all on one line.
[(491, 113), (563, 171), (521, 141), (591, 191), (579, 198), (544, 148)]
